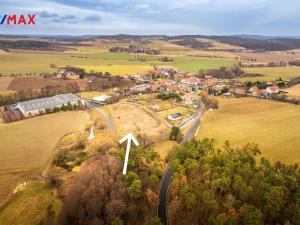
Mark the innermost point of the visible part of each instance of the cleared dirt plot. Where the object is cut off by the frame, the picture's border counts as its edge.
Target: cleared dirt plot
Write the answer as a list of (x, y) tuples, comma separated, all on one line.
[(5, 82), (135, 119), (22, 83), (26, 146), (274, 126)]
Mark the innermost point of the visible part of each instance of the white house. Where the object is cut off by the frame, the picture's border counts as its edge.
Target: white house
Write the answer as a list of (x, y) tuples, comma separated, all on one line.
[(175, 116)]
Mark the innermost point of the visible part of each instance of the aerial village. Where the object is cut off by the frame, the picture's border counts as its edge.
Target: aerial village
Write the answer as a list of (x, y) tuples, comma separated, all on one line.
[(186, 87)]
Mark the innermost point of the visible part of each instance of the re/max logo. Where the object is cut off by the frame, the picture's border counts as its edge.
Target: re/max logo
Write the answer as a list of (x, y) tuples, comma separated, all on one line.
[(17, 19)]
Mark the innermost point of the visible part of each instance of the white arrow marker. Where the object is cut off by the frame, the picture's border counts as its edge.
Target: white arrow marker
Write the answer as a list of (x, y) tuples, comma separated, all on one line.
[(129, 137)]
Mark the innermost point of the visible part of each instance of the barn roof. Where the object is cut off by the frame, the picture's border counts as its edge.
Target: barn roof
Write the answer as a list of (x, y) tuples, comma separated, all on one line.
[(48, 102)]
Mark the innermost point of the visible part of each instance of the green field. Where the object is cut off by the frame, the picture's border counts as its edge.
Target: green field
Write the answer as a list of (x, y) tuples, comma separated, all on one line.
[(274, 126), (272, 73), (194, 64), (22, 62), (26, 146), (34, 205), (98, 59)]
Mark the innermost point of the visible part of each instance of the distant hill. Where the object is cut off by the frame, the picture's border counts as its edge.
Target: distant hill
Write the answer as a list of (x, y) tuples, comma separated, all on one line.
[(252, 42), (28, 44), (274, 44)]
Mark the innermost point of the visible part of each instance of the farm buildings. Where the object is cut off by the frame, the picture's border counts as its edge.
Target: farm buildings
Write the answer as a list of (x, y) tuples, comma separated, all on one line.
[(102, 100), (39, 106)]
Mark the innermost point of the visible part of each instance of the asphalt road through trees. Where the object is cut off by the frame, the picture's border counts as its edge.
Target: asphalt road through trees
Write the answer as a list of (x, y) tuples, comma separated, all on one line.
[(162, 211)]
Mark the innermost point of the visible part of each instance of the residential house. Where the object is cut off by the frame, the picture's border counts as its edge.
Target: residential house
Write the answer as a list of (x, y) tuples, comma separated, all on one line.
[(175, 116), (68, 75), (143, 88), (192, 81), (254, 89), (273, 90)]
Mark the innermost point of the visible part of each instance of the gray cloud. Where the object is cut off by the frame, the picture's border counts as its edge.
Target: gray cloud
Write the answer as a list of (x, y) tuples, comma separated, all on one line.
[(271, 17), (93, 18), (46, 14), (69, 17)]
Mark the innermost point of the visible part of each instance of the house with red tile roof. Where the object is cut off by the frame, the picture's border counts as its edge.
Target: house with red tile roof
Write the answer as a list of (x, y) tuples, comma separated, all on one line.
[(191, 81), (272, 90)]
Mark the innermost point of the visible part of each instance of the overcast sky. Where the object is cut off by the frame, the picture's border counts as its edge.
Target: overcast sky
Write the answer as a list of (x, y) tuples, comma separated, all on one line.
[(171, 17)]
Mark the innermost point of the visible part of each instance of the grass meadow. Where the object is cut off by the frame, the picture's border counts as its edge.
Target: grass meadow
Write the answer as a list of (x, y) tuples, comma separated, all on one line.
[(32, 206), (26, 146), (99, 59), (274, 126), (294, 91), (272, 73)]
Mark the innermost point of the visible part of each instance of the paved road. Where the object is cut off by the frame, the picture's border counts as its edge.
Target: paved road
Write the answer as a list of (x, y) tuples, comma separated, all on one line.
[(162, 212)]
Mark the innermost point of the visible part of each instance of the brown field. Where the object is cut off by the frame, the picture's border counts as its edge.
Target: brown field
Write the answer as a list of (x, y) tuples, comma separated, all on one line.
[(5, 82), (22, 83), (267, 57), (135, 119)]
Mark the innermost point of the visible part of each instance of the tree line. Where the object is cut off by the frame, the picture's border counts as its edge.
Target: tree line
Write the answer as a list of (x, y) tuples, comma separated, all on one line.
[(100, 195), (28, 94), (135, 49), (224, 73), (231, 186)]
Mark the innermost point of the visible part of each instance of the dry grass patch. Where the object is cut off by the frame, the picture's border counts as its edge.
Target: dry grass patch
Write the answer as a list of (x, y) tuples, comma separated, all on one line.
[(163, 148), (294, 91), (274, 126), (27, 146), (36, 204)]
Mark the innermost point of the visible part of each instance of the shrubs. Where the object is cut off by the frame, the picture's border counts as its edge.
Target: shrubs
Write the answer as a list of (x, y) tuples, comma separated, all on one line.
[(175, 134), (212, 103), (167, 96), (68, 159), (166, 59), (69, 156), (52, 180)]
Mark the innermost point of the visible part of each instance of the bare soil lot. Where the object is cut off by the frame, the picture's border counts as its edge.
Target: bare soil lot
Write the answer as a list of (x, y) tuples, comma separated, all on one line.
[(22, 83), (135, 119), (5, 82)]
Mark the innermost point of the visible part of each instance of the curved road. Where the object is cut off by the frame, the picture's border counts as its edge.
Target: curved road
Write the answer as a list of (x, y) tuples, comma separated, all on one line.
[(162, 212), (106, 117)]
